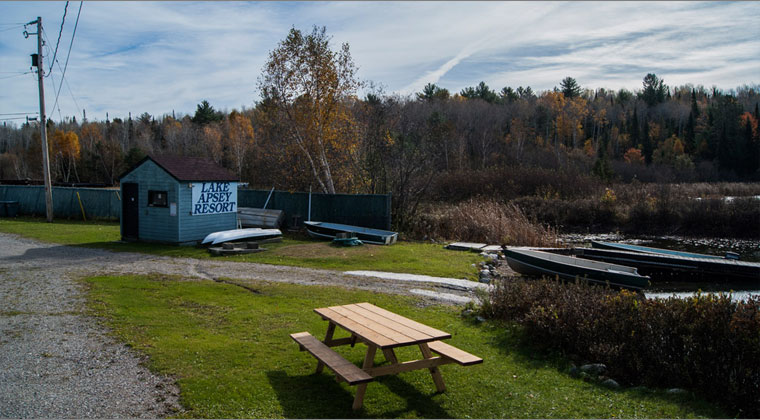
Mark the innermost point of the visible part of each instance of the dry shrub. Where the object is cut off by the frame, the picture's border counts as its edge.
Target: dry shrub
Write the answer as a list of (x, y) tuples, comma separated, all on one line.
[(703, 343), (482, 220)]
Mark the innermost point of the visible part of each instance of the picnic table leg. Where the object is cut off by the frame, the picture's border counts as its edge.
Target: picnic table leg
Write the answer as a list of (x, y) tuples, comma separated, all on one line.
[(390, 356), (434, 372), (369, 361), (328, 337)]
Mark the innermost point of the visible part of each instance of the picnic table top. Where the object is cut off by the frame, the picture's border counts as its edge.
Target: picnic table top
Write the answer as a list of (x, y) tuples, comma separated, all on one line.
[(380, 327)]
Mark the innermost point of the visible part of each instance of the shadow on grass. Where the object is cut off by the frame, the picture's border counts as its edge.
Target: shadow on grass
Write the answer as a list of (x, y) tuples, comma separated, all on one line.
[(320, 396), (510, 339), (62, 254)]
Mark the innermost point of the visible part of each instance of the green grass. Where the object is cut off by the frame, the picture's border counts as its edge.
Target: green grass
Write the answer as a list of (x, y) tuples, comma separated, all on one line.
[(230, 352), (294, 250)]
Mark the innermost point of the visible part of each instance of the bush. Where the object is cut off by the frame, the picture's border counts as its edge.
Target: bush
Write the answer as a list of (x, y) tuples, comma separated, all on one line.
[(481, 220), (512, 182), (704, 343)]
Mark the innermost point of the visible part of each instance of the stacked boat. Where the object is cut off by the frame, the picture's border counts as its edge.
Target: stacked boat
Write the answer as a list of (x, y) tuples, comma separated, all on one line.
[(618, 265), (542, 263)]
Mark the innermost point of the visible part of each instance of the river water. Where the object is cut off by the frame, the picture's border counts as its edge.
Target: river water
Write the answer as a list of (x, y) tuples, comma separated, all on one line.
[(749, 250)]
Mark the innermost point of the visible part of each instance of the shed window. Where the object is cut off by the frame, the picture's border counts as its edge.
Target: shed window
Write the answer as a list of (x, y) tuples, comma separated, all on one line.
[(157, 199)]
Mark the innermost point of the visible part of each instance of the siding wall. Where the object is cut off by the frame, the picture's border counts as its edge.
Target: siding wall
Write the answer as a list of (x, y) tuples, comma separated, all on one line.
[(195, 228), (155, 224)]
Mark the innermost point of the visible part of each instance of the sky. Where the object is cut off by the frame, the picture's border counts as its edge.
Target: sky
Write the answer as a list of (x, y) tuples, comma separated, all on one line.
[(164, 57)]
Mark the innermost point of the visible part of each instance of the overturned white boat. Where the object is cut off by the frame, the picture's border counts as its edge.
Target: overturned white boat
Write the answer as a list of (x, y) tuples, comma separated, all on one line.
[(255, 234)]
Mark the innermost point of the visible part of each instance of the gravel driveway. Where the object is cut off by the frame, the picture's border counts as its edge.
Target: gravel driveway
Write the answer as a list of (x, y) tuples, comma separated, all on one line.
[(58, 362)]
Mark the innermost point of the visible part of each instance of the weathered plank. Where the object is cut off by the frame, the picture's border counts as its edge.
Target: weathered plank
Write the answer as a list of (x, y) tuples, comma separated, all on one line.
[(344, 369), (455, 354)]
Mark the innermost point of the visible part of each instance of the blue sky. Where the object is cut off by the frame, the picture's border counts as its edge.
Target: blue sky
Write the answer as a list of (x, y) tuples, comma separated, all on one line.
[(161, 56)]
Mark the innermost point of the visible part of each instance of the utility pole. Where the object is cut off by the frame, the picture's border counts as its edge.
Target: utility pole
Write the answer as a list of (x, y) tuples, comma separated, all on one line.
[(43, 120)]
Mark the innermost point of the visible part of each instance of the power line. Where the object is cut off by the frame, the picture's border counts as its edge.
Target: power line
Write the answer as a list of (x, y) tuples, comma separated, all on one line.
[(55, 54), (12, 28), (68, 87), (65, 66), (15, 75)]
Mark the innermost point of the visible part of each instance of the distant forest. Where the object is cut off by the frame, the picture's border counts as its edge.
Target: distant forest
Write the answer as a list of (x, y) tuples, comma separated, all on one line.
[(317, 132)]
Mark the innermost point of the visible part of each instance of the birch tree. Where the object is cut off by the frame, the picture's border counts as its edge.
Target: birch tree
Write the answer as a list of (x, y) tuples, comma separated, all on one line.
[(310, 86)]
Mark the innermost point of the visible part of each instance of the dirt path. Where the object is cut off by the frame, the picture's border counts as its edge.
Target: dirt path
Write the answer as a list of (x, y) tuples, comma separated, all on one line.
[(58, 362)]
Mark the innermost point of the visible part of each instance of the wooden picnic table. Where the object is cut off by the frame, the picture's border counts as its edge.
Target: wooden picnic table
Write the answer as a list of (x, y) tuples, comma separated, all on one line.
[(384, 330)]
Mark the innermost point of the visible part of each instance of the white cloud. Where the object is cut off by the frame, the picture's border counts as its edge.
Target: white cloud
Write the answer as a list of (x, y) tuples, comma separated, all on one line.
[(164, 56)]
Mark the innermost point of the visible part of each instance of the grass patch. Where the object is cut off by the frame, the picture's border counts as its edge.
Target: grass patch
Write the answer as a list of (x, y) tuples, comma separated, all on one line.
[(295, 250), (230, 352)]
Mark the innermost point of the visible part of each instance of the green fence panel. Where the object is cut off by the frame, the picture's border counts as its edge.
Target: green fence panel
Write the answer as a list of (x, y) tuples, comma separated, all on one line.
[(367, 210), (97, 203)]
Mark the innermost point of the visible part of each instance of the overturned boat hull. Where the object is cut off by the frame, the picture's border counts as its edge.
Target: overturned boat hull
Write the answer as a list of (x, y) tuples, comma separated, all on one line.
[(650, 250), (253, 234), (324, 230), (674, 267), (540, 263)]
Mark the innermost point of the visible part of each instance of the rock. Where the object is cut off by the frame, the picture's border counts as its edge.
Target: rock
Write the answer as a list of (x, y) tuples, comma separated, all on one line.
[(610, 383), (492, 257), (480, 319), (594, 369), (676, 391), (485, 276), (574, 371), (467, 313)]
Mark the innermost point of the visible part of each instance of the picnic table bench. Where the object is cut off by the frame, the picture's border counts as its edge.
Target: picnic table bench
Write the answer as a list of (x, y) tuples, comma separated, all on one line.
[(384, 330)]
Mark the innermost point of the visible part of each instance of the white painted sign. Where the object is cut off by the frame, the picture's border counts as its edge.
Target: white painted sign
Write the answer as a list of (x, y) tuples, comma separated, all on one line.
[(214, 198)]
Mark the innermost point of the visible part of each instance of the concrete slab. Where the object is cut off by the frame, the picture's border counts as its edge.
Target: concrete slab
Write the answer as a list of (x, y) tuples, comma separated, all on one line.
[(491, 248), (448, 297), (456, 284), (465, 246)]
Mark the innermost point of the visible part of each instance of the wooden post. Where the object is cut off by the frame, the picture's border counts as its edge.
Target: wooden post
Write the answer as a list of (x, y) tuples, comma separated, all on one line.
[(328, 337), (390, 356), (369, 361), (43, 125), (434, 372)]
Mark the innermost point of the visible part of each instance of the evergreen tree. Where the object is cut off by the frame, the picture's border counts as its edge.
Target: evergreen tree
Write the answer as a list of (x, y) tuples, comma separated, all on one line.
[(431, 92), (749, 150), (689, 134), (646, 144), (634, 130), (654, 91), (205, 114), (570, 87), (509, 95)]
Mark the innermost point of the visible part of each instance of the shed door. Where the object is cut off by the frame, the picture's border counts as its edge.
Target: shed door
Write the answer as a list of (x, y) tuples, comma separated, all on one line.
[(130, 210)]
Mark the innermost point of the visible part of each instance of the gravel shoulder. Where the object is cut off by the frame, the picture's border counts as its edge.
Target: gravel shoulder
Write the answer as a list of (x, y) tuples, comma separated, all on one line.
[(59, 362)]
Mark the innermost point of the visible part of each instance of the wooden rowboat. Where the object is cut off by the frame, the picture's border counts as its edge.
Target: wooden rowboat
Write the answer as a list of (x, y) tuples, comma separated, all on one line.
[(540, 263), (324, 230), (650, 250)]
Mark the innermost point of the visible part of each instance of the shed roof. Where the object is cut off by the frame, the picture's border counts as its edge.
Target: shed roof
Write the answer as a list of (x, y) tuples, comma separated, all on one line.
[(186, 168)]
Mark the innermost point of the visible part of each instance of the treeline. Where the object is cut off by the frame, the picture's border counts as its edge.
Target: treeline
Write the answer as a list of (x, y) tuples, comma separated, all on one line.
[(434, 145), (426, 144)]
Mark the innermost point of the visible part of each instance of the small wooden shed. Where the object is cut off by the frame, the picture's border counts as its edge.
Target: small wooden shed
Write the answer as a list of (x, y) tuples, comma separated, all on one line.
[(177, 200)]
